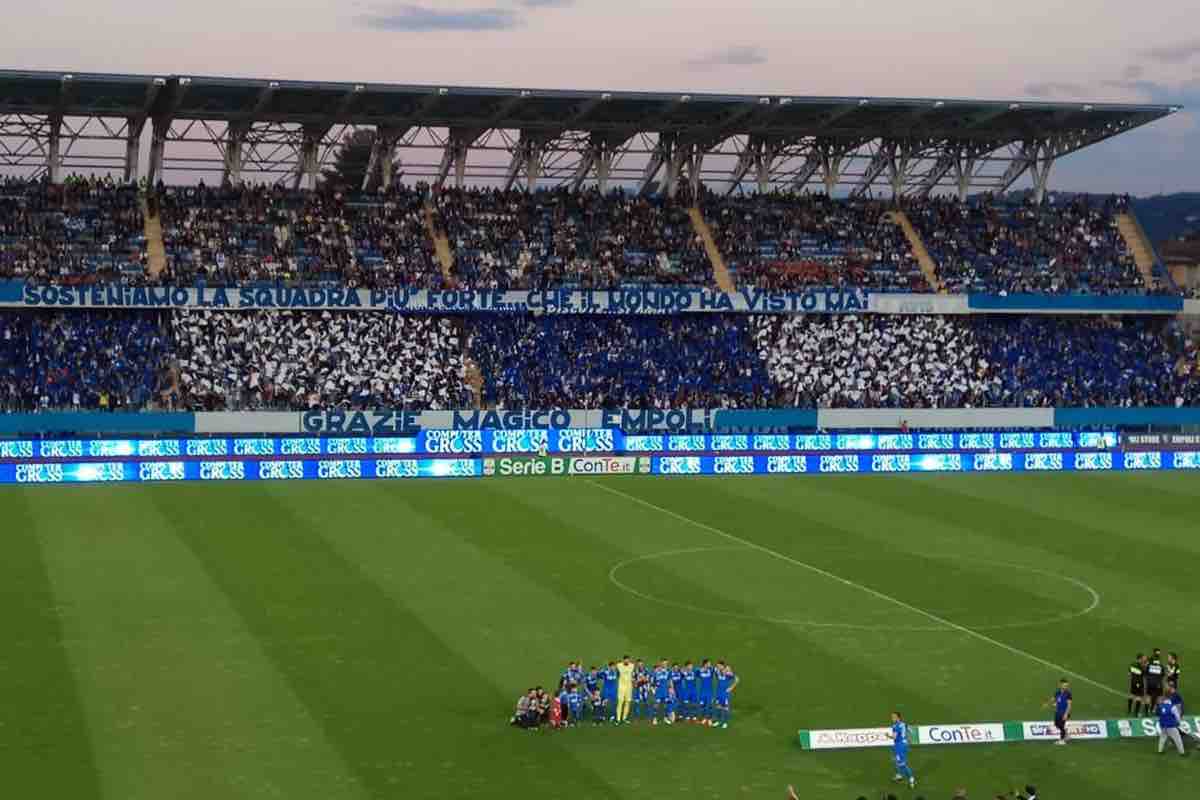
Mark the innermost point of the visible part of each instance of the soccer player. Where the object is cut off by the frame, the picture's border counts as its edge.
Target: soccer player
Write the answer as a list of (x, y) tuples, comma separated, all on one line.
[(1137, 686), (689, 691), (1062, 702), (662, 691), (677, 686), (727, 681), (1169, 713), (704, 691), (575, 701), (592, 681), (611, 677), (642, 707), (900, 750), (624, 689), (1155, 672)]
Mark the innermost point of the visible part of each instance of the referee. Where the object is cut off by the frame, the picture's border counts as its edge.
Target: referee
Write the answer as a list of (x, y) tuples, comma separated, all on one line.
[(1137, 686), (1155, 672)]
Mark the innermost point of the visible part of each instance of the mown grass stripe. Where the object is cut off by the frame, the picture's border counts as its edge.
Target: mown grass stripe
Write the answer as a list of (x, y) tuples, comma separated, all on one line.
[(45, 741)]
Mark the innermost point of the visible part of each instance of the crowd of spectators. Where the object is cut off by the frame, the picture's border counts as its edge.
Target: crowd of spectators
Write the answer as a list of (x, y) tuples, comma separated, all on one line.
[(221, 360), (795, 241), (75, 360), (516, 239), (873, 361), (317, 359), (89, 229), (1091, 361), (559, 361), (82, 229), (231, 235), (1058, 247)]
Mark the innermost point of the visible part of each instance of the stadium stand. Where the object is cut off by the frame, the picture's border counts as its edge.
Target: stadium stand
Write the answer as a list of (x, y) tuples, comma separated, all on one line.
[(225, 236), (1055, 248), (608, 362), (284, 359), (538, 240), (84, 229), (870, 361), (89, 360), (93, 230), (793, 241), (210, 360)]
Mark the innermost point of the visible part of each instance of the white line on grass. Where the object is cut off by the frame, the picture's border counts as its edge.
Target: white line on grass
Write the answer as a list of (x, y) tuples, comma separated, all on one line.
[(846, 582)]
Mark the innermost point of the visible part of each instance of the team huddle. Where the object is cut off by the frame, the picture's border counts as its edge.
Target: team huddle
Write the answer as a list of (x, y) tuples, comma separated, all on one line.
[(628, 690)]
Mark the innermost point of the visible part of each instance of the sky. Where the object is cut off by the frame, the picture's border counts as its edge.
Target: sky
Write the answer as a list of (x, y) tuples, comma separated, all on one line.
[(1089, 50)]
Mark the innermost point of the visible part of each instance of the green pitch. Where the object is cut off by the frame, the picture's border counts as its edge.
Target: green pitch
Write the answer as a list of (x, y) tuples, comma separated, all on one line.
[(333, 640)]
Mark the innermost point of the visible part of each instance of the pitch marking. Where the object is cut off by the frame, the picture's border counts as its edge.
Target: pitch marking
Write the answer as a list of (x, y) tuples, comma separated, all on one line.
[(874, 593), (612, 577)]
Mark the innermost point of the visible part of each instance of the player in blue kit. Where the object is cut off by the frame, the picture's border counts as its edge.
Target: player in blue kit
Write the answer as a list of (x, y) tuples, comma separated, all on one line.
[(900, 750), (727, 681), (704, 691), (688, 699), (575, 701), (1062, 702), (677, 690), (642, 707), (662, 692), (611, 677)]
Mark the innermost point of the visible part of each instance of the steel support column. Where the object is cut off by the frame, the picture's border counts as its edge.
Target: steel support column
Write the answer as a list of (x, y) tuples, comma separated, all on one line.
[(133, 147), (234, 159), (308, 166), (526, 159), (664, 154), (160, 128), (884, 158), (455, 155), (383, 157), (54, 151)]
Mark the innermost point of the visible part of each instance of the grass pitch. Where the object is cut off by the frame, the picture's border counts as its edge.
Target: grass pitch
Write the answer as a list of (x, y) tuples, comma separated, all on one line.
[(334, 640)]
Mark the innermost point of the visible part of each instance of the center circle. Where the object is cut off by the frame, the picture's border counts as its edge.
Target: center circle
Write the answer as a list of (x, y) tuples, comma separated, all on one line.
[(614, 572)]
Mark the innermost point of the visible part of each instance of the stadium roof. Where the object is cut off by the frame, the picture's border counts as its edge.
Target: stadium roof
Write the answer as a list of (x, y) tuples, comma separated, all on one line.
[(769, 125)]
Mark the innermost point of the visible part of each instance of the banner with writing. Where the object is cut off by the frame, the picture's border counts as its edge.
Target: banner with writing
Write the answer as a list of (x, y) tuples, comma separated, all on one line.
[(624, 300)]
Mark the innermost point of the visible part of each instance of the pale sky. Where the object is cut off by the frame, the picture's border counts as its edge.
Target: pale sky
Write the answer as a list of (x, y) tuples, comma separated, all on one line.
[(1097, 50)]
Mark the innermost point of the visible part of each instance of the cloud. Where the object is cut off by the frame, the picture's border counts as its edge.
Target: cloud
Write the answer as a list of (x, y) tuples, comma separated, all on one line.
[(735, 55), (414, 18), (1173, 53), (1055, 89), (1133, 72), (547, 3)]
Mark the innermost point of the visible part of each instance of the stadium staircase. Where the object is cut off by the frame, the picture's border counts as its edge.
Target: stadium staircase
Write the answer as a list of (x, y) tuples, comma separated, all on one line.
[(441, 245), (924, 260), (474, 379), (156, 251), (720, 270), (1139, 245)]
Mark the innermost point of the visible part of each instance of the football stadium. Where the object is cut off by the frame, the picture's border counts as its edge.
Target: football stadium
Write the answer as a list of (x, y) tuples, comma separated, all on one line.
[(603, 445)]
